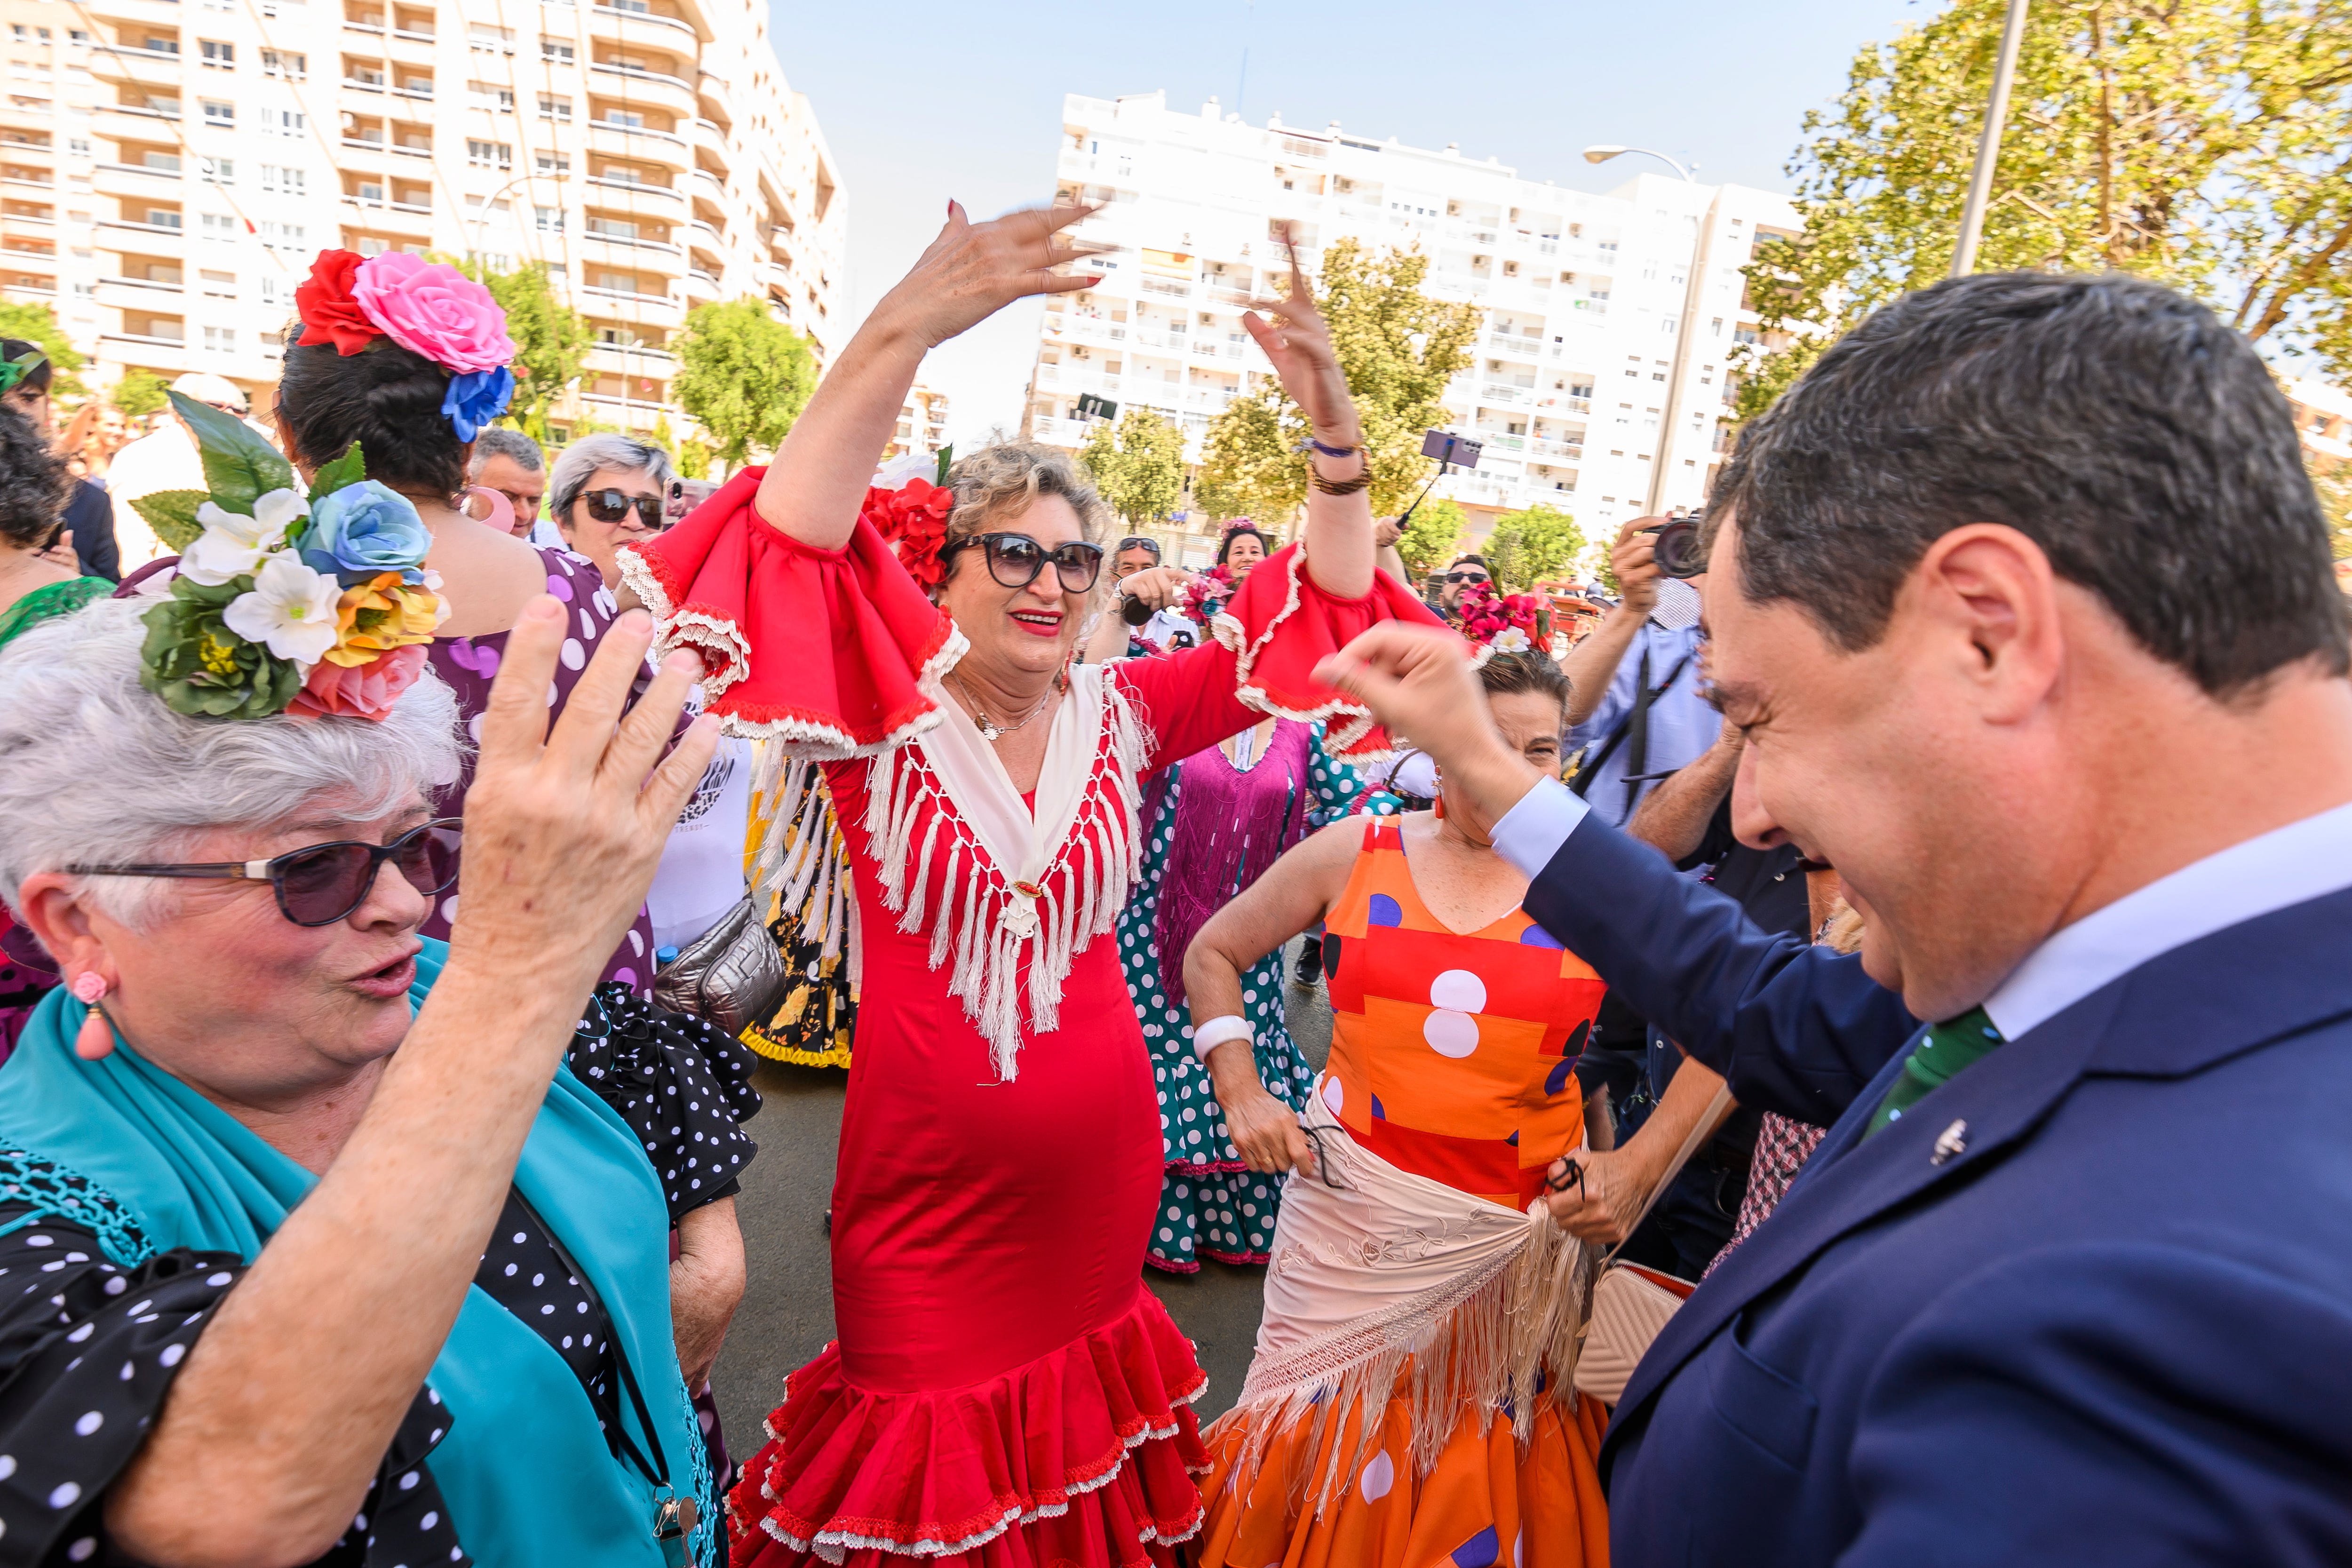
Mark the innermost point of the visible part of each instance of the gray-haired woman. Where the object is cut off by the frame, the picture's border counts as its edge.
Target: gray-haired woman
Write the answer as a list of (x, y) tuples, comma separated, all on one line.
[(312, 1276), (608, 492)]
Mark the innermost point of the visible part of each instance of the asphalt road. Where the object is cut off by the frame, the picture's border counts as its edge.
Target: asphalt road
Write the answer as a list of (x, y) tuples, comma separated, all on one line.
[(787, 1311)]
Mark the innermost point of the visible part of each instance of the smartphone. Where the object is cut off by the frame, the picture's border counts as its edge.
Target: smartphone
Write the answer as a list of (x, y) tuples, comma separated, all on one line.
[(684, 495)]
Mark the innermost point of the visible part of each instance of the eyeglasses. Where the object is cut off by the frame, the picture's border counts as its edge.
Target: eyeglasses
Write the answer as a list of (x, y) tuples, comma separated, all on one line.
[(1467, 577), (1139, 542), (321, 884), (1015, 559), (614, 506)]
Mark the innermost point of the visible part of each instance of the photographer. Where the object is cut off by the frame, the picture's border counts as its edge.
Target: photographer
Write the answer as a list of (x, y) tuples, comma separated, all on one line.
[(1635, 704)]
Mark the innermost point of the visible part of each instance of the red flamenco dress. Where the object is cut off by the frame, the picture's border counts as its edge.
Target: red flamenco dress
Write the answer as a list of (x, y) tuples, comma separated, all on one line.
[(1004, 1391)]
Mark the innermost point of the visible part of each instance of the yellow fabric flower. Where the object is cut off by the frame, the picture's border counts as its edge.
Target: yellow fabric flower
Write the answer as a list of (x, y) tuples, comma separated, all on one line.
[(379, 616)]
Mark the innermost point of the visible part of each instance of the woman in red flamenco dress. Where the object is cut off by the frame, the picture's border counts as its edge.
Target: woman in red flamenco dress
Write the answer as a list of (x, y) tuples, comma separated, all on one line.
[(1004, 1391)]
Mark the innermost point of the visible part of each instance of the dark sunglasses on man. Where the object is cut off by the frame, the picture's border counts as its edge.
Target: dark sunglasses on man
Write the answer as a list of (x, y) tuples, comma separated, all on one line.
[(613, 506), (323, 883), (1467, 577), (1015, 559)]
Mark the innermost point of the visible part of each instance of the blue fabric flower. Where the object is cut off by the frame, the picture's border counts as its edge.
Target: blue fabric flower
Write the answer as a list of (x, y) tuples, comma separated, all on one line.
[(364, 528), (475, 398)]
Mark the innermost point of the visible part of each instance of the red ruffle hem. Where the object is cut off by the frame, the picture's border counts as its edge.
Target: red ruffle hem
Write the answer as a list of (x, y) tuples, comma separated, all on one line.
[(1085, 1455)]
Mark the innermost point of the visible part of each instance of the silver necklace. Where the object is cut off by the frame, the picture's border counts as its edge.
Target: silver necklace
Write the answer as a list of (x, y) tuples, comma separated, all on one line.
[(988, 729)]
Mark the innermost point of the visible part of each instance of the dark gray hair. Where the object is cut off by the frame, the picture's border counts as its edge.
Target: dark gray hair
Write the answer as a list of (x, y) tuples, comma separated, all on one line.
[(498, 441), (2118, 424), (94, 768), (579, 463)]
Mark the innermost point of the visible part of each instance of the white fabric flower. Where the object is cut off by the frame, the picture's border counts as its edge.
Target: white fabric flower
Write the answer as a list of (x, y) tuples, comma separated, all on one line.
[(1510, 639), (233, 544), (291, 608), (440, 598)]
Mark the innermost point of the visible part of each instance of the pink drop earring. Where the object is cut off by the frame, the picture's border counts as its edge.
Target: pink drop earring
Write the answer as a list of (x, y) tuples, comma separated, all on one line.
[(96, 1040)]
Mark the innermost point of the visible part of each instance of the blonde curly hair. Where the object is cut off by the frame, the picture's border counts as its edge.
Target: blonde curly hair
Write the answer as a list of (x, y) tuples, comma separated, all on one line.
[(1003, 480)]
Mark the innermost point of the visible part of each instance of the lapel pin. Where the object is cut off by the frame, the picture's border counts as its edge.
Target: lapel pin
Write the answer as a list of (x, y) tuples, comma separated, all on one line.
[(1953, 1140)]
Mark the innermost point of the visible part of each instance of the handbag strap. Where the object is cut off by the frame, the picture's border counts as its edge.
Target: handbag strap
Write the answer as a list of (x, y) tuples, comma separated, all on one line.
[(1702, 1130)]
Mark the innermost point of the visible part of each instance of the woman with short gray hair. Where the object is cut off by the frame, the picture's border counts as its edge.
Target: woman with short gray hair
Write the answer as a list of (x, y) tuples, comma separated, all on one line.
[(608, 490), (320, 1276)]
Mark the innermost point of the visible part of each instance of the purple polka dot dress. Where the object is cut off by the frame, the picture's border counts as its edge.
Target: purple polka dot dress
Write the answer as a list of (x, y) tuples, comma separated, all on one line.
[(469, 664)]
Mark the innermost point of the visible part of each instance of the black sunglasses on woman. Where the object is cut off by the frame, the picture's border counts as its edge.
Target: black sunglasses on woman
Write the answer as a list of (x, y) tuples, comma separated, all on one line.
[(1015, 559), (323, 883), (612, 506)]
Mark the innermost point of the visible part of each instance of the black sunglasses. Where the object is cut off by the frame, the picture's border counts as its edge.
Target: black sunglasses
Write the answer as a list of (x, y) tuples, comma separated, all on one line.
[(323, 883), (1138, 541), (1015, 559), (1467, 577), (613, 506)]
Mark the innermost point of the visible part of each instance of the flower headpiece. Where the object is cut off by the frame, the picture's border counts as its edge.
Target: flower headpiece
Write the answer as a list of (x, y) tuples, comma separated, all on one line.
[(911, 513), (310, 604), (1206, 593), (13, 371), (428, 308), (1515, 623), (1238, 525)]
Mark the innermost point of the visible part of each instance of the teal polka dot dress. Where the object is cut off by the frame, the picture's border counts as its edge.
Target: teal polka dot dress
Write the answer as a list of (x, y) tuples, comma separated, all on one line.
[(1210, 1205)]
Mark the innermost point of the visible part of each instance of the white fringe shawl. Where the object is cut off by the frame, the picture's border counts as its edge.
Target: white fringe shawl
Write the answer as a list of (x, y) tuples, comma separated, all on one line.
[(802, 863), (1393, 1269), (990, 918)]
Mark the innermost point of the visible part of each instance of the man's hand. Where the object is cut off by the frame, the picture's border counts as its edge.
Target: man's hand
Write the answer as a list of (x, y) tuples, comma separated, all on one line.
[(1635, 560), (1417, 680)]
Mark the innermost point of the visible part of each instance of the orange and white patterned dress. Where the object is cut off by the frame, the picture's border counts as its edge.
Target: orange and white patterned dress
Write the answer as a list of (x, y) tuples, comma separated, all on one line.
[(1448, 1092)]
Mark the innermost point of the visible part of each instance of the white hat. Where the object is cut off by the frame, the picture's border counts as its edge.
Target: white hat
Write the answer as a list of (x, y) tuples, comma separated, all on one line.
[(206, 387)]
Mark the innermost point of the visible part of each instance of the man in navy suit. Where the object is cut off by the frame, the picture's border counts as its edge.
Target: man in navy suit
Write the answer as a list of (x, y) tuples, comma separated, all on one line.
[(2023, 603)]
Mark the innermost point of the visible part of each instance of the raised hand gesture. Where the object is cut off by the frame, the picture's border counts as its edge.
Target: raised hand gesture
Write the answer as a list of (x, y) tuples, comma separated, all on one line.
[(974, 270), (1301, 351)]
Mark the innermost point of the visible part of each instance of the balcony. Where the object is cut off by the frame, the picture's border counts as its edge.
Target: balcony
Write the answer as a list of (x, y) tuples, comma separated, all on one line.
[(630, 142), (146, 112), (619, 250), (636, 361), (142, 289), (1071, 433), (648, 87), (400, 220), (1520, 344), (148, 67), (167, 231), (641, 27), (700, 284), (659, 195)]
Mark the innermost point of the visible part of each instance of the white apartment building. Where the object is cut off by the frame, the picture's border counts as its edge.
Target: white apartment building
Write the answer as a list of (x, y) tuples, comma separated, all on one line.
[(1602, 368), (922, 424), (2323, 421), (168, 168)]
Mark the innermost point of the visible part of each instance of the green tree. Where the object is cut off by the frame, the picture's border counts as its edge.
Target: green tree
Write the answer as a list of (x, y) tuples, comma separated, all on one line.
[(1398, 347), (2206, 144), (693, 460), (1528, 546), (139, 393), (1138, 467), (743, 374), (38, 324), (1433, 537), (551, 340)]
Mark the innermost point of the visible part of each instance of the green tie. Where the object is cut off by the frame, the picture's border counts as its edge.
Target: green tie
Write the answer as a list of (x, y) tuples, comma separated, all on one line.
[(1946, 1051)]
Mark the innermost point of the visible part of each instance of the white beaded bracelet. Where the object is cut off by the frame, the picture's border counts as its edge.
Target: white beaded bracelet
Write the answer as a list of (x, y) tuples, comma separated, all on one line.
[(1208, 1037)]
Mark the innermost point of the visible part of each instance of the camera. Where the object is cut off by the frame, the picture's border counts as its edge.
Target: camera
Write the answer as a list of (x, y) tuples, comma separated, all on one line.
[(1677, 550)]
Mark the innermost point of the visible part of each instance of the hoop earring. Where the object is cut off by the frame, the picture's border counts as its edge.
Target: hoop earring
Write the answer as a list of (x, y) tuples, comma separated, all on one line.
[(95, 1040)]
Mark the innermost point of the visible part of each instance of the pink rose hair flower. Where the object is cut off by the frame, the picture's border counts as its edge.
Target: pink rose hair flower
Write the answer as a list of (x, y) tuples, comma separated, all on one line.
[(432, 309), (358, 690)]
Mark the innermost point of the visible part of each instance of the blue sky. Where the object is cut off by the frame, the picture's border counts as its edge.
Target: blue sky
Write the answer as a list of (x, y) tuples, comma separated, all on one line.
[(923, 101)]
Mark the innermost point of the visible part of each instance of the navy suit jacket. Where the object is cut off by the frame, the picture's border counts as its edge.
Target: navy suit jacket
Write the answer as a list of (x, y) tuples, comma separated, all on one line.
[(2116, 1327)]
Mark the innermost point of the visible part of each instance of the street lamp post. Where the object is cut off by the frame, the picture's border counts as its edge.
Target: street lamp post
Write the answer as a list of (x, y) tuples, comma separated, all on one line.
[(2012, 33), (1662, 462)]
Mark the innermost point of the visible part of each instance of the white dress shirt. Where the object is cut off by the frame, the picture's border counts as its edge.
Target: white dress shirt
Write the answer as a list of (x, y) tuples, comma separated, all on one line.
[(2275, 870)]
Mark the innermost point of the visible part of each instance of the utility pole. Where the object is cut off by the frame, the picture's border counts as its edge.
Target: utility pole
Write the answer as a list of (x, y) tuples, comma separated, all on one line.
[(2012, 33)]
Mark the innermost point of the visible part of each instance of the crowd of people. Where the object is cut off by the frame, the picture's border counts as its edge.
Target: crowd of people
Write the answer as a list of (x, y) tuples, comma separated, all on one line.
[(1811, 1077)]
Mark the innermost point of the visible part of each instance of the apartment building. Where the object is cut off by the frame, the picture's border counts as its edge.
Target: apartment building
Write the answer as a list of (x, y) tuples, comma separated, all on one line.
[(922, 424), (168, 168), (1604, 360), (2323, 421)]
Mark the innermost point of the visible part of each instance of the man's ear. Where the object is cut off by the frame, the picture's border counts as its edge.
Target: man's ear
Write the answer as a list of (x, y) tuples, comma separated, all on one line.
[(1990, 592)]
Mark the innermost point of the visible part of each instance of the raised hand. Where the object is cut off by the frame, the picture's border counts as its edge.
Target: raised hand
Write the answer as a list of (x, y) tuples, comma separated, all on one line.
[(1418, 680), (1303, 356), (974, 270)]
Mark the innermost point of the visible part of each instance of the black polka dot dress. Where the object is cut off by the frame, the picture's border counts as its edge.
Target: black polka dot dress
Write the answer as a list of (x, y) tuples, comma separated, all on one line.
[(89, 1350)]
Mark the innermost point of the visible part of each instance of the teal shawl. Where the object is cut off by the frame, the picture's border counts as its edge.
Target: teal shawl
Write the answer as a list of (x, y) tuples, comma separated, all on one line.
[(524, 1467)]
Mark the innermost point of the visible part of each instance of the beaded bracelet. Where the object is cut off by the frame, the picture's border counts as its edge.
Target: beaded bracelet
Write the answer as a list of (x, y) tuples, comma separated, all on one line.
[(1341, 487)]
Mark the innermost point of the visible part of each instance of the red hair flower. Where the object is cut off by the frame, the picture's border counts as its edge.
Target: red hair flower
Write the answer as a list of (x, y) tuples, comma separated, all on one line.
[(1515, 624), (914, 520), (329, 314), (1207, 592)]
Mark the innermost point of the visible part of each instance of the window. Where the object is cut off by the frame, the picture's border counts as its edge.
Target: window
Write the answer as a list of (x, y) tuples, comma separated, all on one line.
[(286, 63), (490, 95), (156, 44), (218, 113), (370, 246), (551, 107), (168, 163), (639, 6), (612, 228), (370, 191), (220, 285), (291, 123), (220, 340), (285, 235), (274, 178), (480, 207), (618, 282), (483, 38), (555, 162), (488, 154), (217, 226), (219, 56), (276, 290), (219, 171), (550, 220), (78, 145), (555, 52), (628, 118), (169, 218), (76, 35)]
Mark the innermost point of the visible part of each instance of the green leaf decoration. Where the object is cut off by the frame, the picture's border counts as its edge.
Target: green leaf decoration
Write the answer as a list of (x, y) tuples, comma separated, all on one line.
[(198, 666), (344, 471), (172, 515), (946, 462), (238, 464)]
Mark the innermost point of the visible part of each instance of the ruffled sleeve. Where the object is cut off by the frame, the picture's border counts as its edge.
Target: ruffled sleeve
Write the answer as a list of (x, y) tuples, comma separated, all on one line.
[(1281, 625), (683, 1087), (837, 653)]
